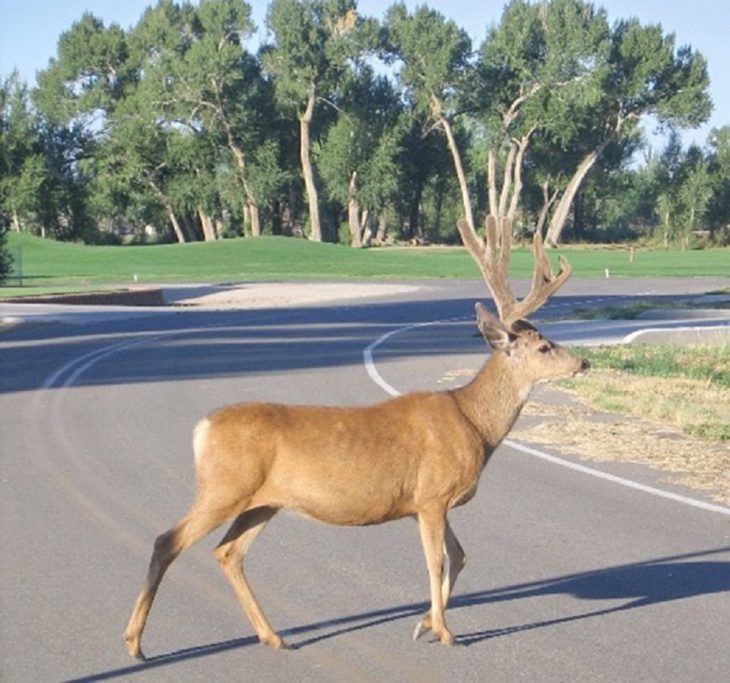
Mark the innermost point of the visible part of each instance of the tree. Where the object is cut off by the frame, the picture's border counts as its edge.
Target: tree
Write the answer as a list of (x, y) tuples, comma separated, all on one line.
[(136, 164), (308, 56), (642, 74), (434, 72), (532, 67), (719, 168), (76, 94), (358, 155), (38, 186), (90, 74), (6, 258), (211, 84), (23, 171)]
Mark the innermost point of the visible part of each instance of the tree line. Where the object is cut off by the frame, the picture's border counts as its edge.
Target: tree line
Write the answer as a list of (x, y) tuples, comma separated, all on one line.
[(343, 127)]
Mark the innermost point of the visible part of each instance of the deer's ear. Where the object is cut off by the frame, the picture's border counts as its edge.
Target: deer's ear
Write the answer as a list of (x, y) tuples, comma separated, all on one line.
[(491, 327)]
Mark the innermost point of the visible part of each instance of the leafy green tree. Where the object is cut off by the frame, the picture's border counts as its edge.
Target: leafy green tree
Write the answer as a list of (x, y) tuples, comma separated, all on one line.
[(642, 73), (23, 167), (309, 55), (90, 74), (135, 166), (358, 155), (685, 190), (532, 67), (718, 209), (6, 258), (39, 188), (433, 56), (693, 194), (211, 84)]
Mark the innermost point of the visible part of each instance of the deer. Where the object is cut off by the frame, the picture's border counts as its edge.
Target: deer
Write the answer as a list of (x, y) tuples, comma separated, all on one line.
[(417, 455)]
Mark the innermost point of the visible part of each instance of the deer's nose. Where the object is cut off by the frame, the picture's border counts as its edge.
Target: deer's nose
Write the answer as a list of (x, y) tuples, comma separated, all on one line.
[(584, 365)]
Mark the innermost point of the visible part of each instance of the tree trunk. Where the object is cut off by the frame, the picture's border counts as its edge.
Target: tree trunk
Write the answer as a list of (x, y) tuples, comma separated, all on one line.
[(251, 204), (557, 223), (304, 155), (492, 182), (353, 213), (547, 201), (253, 214), (414, 217), (366, 228), (177, 229), (517, 189), (16, 221), (382, 227), (209, 234), (507, 176), (170, 211)]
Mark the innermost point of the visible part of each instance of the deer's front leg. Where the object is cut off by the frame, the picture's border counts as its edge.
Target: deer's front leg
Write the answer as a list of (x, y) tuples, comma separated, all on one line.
[(456, 559), (432, 525)]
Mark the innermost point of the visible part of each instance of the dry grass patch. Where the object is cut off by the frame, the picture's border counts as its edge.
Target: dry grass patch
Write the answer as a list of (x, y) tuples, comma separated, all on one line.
[(581, 431), (696, 407)]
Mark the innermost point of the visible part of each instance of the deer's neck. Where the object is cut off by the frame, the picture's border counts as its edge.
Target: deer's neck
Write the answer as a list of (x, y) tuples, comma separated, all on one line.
[(492, 401)]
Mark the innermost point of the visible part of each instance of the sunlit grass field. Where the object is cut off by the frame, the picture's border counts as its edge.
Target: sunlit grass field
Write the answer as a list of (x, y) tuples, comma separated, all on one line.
[(47, 265)]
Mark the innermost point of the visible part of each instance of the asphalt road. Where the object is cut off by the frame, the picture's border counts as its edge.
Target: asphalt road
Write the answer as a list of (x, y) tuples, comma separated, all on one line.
[(569, 577)]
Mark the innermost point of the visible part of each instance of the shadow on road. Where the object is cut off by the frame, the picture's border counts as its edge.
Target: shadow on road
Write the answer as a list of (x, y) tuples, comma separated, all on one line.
[(199, 344), (636, 585)]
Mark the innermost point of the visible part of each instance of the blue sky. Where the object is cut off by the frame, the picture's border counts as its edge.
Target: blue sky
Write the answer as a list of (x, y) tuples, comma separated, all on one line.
[(29, 31)]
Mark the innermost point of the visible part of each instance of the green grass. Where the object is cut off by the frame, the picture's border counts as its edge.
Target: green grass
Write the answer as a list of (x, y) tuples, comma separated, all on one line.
[(708, 363), (48, 265), (686, 386), (629, 312)]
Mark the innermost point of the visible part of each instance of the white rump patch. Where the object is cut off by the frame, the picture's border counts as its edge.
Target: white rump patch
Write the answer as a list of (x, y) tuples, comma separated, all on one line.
[(199, 438)]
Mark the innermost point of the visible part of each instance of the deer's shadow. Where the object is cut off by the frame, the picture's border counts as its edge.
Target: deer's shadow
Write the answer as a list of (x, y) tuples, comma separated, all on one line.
[(634, 586)]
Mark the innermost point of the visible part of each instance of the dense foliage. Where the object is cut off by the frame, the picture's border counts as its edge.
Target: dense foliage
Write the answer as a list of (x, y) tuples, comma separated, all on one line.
[(349, 128)]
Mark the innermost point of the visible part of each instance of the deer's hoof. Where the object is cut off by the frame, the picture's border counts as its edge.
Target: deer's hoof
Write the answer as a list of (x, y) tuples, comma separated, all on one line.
[(423, 626), (275, 641), (133, 647), (445, 637)]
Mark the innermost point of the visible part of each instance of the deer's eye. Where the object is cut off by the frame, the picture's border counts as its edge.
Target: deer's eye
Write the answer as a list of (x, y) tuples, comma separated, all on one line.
[(544, 348)]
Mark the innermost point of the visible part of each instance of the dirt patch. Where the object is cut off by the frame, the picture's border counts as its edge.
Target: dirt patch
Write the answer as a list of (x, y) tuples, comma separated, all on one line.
[(579, 430), (276, 294)]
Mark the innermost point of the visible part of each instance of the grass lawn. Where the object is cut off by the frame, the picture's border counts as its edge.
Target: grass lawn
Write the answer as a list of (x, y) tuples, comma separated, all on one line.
[(50, 266), (686, 386)]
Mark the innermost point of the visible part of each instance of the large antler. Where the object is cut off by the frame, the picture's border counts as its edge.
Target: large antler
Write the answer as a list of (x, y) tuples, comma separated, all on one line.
[(493, 260)]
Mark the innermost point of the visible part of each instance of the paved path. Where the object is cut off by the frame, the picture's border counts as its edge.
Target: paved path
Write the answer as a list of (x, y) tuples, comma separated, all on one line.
[(569, 577)]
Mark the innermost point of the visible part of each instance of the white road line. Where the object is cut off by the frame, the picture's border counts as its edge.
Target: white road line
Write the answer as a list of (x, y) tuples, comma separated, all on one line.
[(92, 357), (370, 366)]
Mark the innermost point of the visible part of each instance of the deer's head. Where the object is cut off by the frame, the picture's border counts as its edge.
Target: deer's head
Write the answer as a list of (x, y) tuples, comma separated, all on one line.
[(532, 356)]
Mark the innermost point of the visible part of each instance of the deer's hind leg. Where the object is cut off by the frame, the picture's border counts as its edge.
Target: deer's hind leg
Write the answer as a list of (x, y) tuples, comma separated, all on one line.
[(197, 523), (230, 554)]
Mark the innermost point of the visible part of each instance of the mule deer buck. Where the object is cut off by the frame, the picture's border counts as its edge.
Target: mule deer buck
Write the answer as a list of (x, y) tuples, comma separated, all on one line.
[(417, 455)]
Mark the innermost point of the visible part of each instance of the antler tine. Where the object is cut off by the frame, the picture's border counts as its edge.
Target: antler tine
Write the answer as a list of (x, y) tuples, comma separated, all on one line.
[(544, 282), (493, 260), (496, 265)]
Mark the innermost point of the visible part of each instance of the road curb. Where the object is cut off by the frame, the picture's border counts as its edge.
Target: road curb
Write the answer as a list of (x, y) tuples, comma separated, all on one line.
[(714, 334)]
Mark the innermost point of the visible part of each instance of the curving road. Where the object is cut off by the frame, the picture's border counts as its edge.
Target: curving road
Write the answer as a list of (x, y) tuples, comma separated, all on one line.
[(569, 576)]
